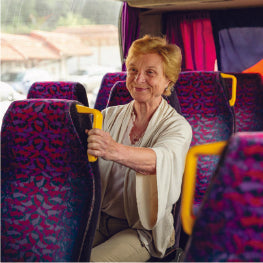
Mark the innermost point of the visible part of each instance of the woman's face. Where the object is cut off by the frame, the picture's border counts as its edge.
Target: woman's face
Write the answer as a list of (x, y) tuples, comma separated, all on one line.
[(146, 81)]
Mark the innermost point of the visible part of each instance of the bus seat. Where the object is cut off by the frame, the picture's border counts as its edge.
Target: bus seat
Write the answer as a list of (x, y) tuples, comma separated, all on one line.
[(189, 180), (120, 95), (229, 224), (174, 101), (107, 83), (205, 105), (249, 102), (58, 90), (50, 192)]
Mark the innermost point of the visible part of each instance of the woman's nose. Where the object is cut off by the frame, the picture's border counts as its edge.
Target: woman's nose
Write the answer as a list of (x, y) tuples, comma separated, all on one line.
[(140, 78)]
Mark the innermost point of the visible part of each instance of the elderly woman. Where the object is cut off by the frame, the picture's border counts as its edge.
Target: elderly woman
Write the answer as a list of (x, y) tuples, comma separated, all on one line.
[(142, 150)]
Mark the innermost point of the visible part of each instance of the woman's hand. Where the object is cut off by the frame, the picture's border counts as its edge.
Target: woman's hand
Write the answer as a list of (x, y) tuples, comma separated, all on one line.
[(140, 159), (101, 144)]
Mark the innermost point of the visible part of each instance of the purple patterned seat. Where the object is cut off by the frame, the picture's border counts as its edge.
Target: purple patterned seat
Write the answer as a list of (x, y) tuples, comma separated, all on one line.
[(105, 88), (58, 90), (205, 105), (50, 193), (249, 102), (120, 95), (229, 224)]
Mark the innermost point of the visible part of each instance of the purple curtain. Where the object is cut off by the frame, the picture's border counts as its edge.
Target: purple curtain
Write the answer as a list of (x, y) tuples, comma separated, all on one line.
[(239, 39), (130, 29), (192, 32)]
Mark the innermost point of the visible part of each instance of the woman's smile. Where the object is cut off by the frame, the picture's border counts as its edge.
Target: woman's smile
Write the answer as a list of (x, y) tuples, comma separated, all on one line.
[(140, 89)]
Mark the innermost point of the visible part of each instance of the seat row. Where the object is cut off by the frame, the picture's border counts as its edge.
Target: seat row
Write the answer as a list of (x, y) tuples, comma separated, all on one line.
[(203, 99), (66, 234), (248, 106)]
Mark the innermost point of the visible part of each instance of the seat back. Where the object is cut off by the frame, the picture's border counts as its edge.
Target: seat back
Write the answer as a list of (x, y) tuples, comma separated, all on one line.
[(249, 102), (229, 224), (50, 193), (174, 101), (120, 95), (58, 90), (107, 83), (204, 104)]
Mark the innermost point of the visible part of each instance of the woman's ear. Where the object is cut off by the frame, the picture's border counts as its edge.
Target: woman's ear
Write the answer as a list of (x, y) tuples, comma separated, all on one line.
[(168, 82)]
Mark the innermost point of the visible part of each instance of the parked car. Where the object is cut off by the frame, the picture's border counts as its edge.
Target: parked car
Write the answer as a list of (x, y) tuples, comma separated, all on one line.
[(7, 93), (91, 76), (22, 80), (7, 96)]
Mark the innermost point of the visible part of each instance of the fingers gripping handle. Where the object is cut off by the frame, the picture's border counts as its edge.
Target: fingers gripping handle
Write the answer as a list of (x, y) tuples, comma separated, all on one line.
[(97, 122)]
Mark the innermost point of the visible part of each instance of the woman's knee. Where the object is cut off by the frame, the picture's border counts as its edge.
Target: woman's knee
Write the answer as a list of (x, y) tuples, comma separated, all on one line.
[(124, 246)]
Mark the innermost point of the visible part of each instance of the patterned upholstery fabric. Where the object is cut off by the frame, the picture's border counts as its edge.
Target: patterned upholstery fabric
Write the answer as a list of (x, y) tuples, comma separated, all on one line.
[(58, 90), (229, 225), (49, 191), (120, 95), (105, 88), (205, 105), (249, 102)]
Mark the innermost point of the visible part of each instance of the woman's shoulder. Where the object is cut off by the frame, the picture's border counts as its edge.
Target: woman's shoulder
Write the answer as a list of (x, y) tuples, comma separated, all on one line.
[(172, 118), (169, 111), (114, 110), (116, 114)]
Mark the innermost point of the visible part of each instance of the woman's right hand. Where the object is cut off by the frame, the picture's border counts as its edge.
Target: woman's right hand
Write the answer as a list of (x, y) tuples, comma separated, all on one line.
[(101, 144)]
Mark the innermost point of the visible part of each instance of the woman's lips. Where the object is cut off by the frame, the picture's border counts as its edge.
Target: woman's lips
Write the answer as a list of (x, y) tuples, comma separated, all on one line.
[(140, 89)]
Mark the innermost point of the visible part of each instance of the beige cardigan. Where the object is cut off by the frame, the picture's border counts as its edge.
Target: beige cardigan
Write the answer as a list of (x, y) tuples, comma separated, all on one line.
[(148, 199)]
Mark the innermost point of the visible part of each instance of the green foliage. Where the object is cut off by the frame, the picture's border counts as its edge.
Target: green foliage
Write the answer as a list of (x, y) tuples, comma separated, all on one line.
[(102, 11), (72, 19), (22, 16)]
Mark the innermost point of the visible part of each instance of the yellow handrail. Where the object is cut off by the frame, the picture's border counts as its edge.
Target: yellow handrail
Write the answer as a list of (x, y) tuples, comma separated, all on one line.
[(232, 101), (97, 122), (188, 189)]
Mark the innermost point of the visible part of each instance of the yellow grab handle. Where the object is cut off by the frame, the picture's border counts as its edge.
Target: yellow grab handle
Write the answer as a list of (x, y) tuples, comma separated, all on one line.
[(232, 101), (97, 122), (188, 189)]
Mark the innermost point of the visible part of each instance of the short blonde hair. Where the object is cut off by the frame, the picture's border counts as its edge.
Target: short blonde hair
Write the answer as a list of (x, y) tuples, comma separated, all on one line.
[(170, 53)]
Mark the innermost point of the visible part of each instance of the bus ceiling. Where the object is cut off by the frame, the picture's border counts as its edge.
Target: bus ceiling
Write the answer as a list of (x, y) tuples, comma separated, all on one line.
[(183, 5)]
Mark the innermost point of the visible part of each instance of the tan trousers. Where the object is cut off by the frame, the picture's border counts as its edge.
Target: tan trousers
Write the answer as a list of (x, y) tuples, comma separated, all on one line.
[(116, 242)]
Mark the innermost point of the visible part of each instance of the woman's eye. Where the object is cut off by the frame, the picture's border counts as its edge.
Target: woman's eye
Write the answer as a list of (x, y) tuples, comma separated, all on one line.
[(132, 70), (150, 72)]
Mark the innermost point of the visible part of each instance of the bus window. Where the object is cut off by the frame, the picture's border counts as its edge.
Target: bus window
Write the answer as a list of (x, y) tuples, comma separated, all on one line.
[(55, 40)]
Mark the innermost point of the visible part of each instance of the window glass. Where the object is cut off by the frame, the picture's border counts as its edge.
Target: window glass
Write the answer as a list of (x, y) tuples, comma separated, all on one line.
[(60, 40)]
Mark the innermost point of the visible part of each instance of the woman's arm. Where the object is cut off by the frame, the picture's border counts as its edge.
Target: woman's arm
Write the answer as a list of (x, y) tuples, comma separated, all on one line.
[(101, 144)]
